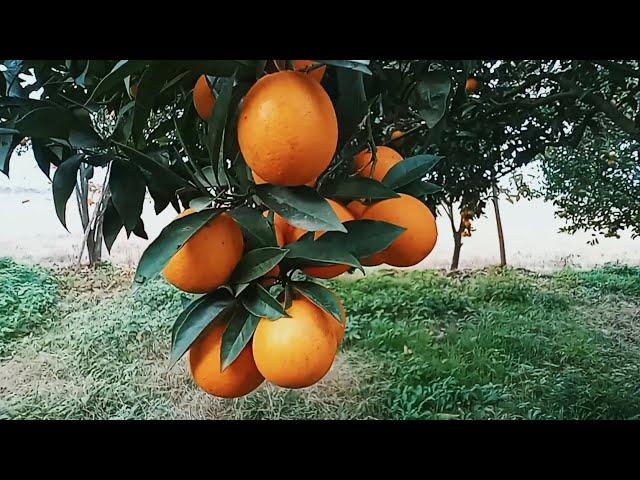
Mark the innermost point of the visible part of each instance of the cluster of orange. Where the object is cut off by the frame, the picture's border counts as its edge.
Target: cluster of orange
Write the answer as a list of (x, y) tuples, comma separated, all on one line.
[(288, 133)]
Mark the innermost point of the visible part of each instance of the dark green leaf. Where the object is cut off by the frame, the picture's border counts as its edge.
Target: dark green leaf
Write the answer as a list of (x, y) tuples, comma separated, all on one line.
[(206, 310), (149, 87), (323, 251), (301, 206), (217, 122), (358, 187), (421, 188), (7, 144), (121, 70), (139, 230), (171, 239), (154, 166), (111, 225), (409, 170), (320, 296), (128, 188), (256, 263), (363, 237), (351, 104), (430, 96), (46, 122), (43, 155), (64, 181), (260, 303), (257, 230), (239, 330), (358, 65)]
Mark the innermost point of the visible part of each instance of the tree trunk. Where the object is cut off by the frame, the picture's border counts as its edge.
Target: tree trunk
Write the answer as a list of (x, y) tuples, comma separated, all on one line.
[(92, 229), (457, 246), (503, 254)]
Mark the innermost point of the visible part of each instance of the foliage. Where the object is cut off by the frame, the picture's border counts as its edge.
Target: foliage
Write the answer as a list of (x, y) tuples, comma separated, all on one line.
[(27, 297), (595, 186), (493, 344)]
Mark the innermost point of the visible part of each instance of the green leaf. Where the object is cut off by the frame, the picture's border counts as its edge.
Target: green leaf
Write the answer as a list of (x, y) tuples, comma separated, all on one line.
[(257, 230), (256, 263), (357, 65), (81, 132), (8, 143), (218, 120), (351, 104), (301, 206), (111, 225), (260, 303), (409, 170), (200, 203), (46, 122), (43, 155), (239, 330), (430, 96), (139, 230), (122, 69), (149, 87), (195, 318), (64, 181), (128, 189), (358, 187), (364, 237), (323, 251), (171, 239), (152, 165), (320, 296), (420, 188)]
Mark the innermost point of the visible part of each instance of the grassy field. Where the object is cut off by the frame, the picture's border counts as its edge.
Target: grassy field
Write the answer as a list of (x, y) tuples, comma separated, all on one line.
[(491, 344)]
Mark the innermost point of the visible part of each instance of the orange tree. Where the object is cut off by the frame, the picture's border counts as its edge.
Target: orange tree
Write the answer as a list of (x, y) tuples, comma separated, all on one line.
[(489, 118), (258, 159)]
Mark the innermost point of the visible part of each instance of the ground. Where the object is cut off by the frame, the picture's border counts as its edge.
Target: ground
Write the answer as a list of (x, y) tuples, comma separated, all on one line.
[(494, 343)]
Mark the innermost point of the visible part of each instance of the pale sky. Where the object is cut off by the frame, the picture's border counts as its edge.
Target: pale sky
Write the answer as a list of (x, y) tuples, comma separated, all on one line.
[(31, 230)]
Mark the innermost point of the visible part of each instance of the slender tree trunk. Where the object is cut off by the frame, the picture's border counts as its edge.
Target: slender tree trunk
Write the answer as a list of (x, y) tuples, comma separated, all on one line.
[(457, 246), (92, 227), (457, 234), (503, 254)]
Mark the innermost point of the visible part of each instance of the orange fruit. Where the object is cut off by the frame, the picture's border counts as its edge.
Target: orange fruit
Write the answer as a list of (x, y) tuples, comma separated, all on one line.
[(329, 271), (356, 208), (316, 73), (386, 159), (208, 258), (471, 85), (238, 379), (133, 90), (203, 98), (288, 130), (259, 181), (420, 236), (397, 137), (298, 351)]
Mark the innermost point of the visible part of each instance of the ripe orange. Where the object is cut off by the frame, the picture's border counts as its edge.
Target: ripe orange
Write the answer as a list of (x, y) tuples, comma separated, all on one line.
[(203, 98), (298, 351), (207, 259), (288, 130), (259, 181), (356, 208), (420, 236), (133, 90), (471, 85), (386, 158), (238, 379), (329, 271), (316, 74), (397, 137)]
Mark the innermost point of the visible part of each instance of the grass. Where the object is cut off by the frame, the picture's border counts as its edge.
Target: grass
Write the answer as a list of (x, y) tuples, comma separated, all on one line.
[(492, 344)]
